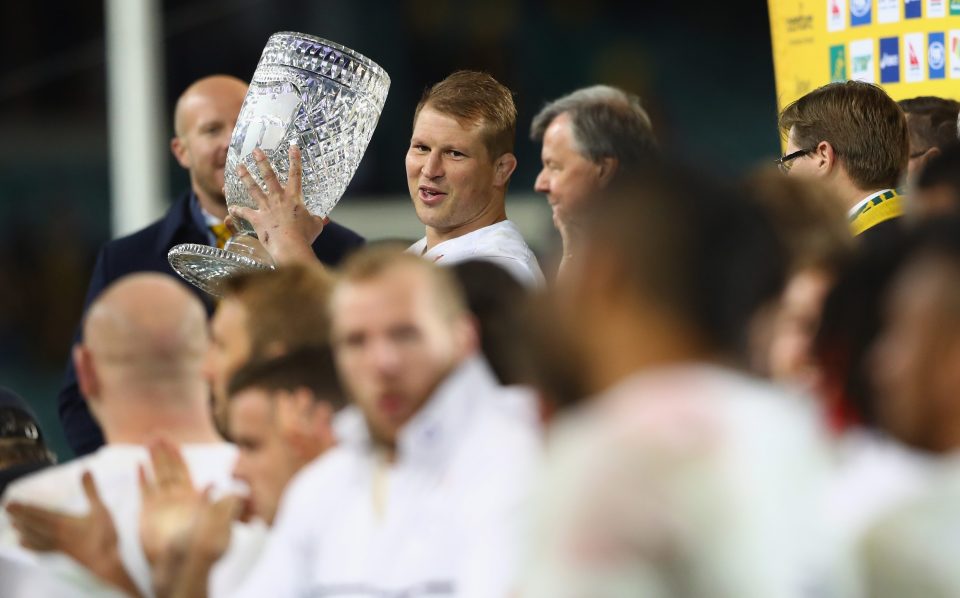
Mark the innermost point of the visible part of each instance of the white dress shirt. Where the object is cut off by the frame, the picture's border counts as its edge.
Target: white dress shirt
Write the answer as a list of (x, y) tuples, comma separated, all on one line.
[(686, 481), (500, 243), (912, 550), (114, 470), (443, 519)]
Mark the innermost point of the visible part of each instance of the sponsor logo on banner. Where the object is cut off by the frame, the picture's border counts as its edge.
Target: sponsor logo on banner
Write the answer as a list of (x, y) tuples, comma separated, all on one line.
[(936, 9), (838, 63), (860, 12), (954, 54), (911, 9), (889, 60), (936, 56), (913, 52), (861, 60), (837, 15), (888, 11), (954, 7)]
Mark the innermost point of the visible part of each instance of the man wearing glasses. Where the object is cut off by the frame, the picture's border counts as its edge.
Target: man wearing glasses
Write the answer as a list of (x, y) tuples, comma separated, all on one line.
[(852, 137)]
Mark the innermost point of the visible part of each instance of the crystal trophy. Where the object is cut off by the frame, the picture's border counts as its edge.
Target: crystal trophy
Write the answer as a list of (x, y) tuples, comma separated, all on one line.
[(307, 91)]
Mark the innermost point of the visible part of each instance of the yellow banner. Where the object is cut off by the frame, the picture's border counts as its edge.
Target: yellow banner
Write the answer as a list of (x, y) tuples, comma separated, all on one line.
[(909, 47)]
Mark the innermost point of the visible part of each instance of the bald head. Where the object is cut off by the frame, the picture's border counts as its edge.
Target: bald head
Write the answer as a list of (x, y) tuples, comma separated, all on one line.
[(204, 119), (213, 89), (146, 328)]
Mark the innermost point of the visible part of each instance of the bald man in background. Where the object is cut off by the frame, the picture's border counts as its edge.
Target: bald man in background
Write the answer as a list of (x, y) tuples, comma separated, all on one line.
[(140, 365), (204, 119)]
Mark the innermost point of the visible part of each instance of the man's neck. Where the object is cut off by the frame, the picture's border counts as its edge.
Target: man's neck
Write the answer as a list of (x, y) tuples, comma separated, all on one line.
[(853, 195), (215, 206), (623, 352), (488, 217), (139, 421)]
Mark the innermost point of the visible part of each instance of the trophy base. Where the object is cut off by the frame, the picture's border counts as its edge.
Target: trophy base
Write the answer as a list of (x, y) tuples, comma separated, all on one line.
[(207, 267)]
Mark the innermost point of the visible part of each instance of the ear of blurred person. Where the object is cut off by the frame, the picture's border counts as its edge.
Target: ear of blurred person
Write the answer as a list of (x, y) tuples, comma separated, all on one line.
[(426, 485), (144, 340), (936, 187), (932, 124)]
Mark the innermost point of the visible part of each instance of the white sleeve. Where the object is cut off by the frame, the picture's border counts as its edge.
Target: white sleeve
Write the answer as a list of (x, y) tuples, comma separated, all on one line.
[(495, 516), (283, 568)]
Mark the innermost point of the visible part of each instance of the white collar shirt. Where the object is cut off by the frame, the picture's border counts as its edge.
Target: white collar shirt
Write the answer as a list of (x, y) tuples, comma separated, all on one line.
[(114, 470), (689, 480), (500, 243), (448, 524)]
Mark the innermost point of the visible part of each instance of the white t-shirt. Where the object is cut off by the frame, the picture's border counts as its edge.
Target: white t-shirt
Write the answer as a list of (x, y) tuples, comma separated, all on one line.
[(445, 519), (692, 481), (500, 243), (114, 469)]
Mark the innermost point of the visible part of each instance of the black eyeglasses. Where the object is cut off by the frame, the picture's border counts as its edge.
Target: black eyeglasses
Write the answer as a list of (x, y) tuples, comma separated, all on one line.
[(785, 163)]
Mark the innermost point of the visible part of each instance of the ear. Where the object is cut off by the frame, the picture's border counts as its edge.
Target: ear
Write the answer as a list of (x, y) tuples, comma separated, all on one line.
[(825, 157), (179, 150), (297, 421), (503, 169), (608, 169), (321, 424), (87, 378), (468, 334)]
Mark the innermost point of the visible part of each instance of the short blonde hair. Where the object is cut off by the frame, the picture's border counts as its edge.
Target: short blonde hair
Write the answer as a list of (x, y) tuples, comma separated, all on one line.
[(476, 98)]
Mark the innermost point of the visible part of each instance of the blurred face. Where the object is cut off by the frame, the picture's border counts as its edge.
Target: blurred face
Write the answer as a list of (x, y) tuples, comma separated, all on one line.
[(917, 357), (229, 349), (795, 325), (568, 178), (939, 200), (394, 345), (266, 461), (205, 121), (450, 174)]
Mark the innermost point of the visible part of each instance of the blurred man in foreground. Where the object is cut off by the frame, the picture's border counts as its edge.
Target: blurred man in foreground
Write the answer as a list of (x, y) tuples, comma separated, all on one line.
[(911, 550), (426, 488), (140, 367), (682, 476)]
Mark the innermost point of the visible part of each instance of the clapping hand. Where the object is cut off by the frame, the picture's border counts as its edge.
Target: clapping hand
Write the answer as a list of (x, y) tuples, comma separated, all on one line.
[(91, 539)]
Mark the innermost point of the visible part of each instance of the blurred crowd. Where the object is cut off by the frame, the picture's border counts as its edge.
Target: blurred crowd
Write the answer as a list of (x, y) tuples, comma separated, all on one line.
[(717, 388)]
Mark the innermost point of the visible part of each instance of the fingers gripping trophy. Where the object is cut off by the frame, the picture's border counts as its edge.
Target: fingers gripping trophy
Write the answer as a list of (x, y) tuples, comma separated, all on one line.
[(310, 112)]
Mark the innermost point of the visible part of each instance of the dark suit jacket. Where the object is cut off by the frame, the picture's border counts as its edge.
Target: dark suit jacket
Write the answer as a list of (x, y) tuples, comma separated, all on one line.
[(146, 250)]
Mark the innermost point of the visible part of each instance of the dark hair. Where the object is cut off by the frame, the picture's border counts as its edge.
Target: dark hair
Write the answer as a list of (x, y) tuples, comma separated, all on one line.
[(497, 300), (810, 221), (476, 98), (932, 121), (696, 247), (943, 169), (308, 367), (866, 128)]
